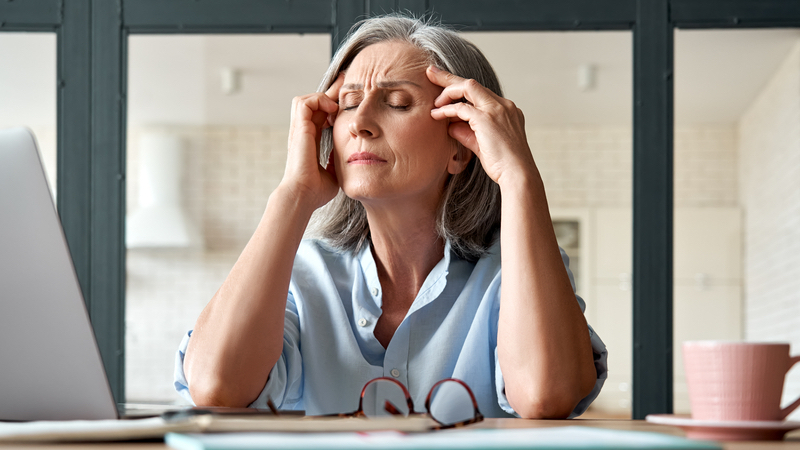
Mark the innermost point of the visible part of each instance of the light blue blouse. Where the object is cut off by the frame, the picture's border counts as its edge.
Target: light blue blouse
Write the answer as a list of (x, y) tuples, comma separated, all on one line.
[(330, 351)]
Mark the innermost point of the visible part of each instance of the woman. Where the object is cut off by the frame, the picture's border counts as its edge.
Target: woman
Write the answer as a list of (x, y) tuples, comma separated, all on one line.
[(405, 280)]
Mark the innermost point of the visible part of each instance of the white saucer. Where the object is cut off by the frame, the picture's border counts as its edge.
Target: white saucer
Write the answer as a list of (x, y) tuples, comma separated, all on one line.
[(726, 430)]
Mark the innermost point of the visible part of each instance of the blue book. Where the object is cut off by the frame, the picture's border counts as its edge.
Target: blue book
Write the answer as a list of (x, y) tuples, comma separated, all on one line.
[(570, 437)]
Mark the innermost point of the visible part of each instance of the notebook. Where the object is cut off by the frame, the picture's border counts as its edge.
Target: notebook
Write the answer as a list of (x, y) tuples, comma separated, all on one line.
[(156, 427)]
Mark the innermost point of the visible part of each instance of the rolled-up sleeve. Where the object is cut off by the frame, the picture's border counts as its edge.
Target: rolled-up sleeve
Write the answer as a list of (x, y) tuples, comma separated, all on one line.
[(285, 383), (600, 365), (181, 384)]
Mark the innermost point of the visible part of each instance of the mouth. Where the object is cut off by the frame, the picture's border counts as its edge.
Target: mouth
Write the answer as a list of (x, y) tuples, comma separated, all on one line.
[(365, 158)]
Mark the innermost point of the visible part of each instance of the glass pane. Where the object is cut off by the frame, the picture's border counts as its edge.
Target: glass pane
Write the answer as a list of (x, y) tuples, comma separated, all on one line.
[(575, 91), (28, 91), (207, 129), (737, 191)]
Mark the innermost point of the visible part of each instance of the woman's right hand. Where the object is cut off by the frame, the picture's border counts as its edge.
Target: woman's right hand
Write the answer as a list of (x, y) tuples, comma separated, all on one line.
[(304, 177)]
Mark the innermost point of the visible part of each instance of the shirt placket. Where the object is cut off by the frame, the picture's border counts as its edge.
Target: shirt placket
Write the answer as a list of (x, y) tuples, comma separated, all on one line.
[(366, 318), (395, 360), (368, 301)]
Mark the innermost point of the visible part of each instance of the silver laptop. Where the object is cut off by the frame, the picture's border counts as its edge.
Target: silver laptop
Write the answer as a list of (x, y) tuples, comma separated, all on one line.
[(50, 365)]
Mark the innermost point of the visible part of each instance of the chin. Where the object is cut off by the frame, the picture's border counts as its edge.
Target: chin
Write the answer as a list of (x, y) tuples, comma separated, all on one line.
[(364, 190), (360, 195)]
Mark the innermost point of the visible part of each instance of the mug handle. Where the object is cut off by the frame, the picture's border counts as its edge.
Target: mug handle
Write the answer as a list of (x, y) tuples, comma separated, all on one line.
[(785, 411)]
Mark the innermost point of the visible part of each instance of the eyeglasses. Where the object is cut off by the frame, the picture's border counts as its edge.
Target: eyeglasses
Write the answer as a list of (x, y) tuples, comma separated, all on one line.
[(450, 402)]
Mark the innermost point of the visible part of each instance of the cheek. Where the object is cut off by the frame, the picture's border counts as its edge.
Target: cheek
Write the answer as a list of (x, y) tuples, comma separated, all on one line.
[(340, 133)]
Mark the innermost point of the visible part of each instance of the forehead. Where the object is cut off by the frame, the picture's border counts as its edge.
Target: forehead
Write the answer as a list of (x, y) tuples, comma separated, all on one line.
[(391, 59)]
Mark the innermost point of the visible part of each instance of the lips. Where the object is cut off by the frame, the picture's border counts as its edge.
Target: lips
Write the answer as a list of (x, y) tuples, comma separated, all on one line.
[(365, 158)]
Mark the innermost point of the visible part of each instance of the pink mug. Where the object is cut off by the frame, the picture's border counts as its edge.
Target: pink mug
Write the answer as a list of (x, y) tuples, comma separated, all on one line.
[(737, 380)]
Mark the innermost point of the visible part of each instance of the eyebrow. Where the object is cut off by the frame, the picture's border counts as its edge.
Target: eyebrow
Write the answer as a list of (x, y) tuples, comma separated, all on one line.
[(380, 84)]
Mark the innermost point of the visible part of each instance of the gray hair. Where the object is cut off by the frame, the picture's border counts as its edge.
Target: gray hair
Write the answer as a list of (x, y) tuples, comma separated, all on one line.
[(469, 212)]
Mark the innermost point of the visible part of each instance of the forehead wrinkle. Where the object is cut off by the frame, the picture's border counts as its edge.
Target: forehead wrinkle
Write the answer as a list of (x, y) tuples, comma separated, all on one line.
[(399, 72), (395, 83), (388, 84)]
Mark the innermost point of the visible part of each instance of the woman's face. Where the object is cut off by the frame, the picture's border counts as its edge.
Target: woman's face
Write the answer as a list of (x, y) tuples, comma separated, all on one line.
[(386, 145)]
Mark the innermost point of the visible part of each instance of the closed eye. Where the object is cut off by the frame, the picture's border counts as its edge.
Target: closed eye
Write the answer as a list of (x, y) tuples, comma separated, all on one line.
[(399, 107), (399, 100)]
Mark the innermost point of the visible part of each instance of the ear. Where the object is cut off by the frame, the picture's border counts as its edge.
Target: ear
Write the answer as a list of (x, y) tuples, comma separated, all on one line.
[(459, 160)]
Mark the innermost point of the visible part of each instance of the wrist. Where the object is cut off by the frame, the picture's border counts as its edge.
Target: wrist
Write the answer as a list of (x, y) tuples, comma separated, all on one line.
[(292, 202), (521, 180)]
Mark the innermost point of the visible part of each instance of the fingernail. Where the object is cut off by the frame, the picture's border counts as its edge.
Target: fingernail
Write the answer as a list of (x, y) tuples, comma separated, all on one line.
[(435, 69)]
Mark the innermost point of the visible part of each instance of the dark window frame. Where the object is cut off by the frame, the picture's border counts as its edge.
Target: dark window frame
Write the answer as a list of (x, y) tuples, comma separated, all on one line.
[(92, 87)]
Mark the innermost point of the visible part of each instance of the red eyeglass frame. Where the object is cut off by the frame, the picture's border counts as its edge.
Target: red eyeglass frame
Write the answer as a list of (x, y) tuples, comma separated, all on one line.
[(477, 417)]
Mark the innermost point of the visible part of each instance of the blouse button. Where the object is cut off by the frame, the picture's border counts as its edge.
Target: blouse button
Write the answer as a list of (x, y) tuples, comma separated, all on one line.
[(362, 322), (395, 373), (375, 292)]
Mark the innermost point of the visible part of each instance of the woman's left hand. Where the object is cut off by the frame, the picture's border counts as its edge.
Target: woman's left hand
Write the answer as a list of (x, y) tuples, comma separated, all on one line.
[(489, 125)]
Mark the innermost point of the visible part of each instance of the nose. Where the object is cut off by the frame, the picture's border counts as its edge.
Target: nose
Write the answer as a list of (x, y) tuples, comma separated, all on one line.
[(364, 123)]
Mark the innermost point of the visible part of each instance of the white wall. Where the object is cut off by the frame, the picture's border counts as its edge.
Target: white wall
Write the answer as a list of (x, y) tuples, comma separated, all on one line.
[(176, 79), (28, 90), (591, 166), (769, 136), (167, 79)]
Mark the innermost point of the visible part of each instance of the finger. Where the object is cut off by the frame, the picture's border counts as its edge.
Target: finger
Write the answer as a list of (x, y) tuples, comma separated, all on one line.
[(444, 79), (457, 88), (333, 91), (462, 111), (320, 119), (462, 132), (310, 115), (462, 118), (308, 105), (441, 77), (333, 94), (470, 90)]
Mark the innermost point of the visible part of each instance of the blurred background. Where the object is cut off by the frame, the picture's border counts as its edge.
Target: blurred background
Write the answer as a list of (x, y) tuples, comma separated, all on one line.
[(207, 127)]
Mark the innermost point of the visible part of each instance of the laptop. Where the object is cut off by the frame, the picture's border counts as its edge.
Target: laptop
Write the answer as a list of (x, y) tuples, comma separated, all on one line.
[(50, 365)]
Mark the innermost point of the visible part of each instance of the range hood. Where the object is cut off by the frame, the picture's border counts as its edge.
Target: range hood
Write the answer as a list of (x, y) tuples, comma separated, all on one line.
[(160, 221)]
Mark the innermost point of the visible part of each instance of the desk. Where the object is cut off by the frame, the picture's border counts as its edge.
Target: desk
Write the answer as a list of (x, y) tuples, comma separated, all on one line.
[(792, 440)]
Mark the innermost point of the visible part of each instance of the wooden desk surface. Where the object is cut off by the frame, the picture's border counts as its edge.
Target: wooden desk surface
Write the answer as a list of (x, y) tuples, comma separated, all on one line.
[(792, 440)]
